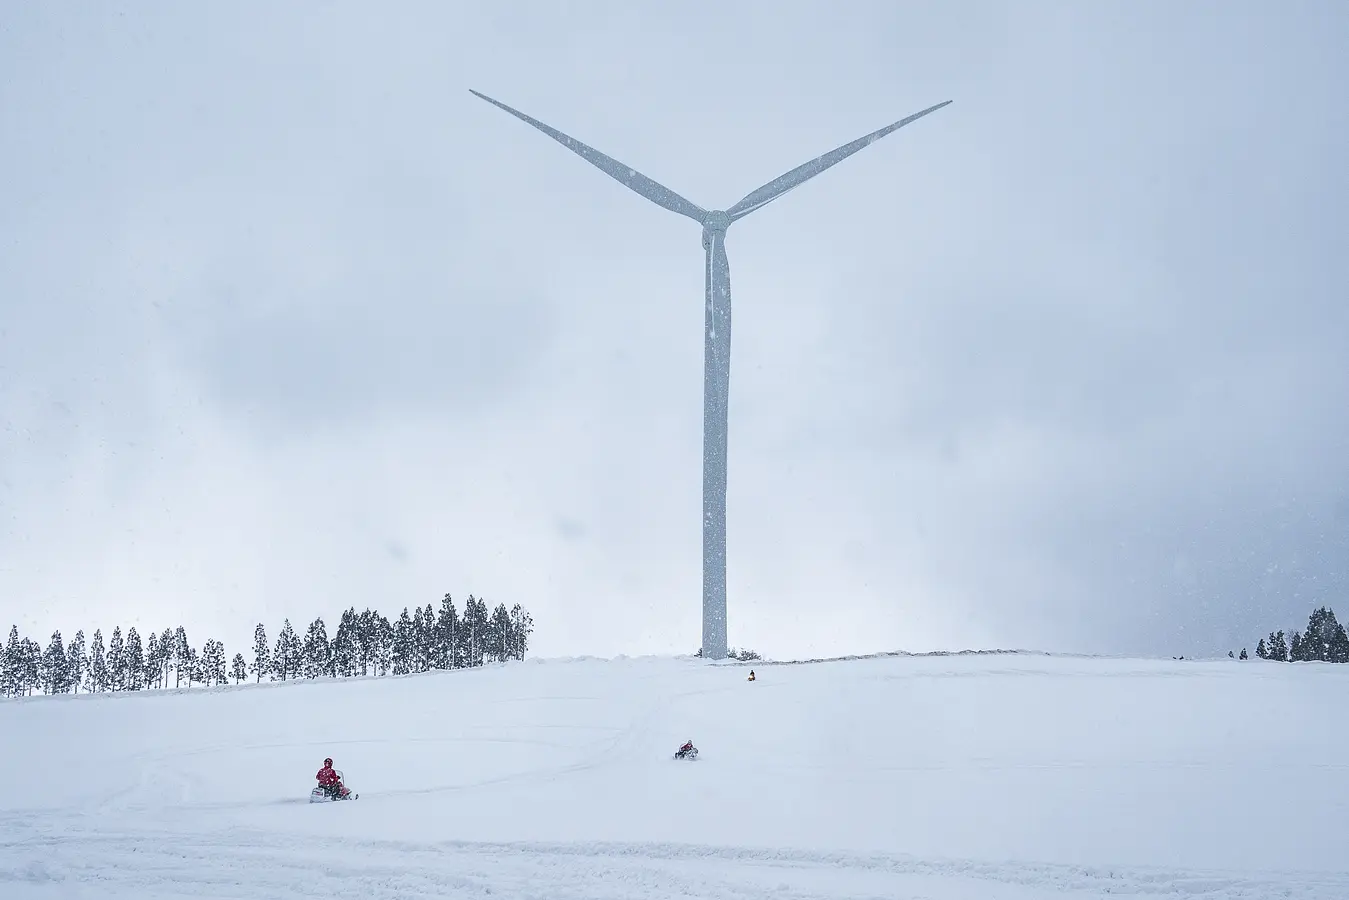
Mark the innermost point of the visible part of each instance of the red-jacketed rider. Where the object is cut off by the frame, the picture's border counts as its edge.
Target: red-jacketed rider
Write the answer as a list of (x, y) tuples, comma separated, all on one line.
[(329, 779)]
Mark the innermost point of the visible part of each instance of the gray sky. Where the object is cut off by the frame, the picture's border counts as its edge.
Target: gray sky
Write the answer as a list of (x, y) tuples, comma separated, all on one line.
[(290, 321)]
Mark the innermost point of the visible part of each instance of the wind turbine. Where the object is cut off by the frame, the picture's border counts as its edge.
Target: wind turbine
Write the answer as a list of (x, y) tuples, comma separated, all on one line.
[(717, 336)]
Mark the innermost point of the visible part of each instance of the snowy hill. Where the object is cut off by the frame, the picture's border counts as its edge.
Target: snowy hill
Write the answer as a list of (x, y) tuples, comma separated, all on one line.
[(999, 776)]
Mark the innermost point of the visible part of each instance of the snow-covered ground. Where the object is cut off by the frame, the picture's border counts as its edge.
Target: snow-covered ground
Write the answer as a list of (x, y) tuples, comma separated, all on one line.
[(998, 777)]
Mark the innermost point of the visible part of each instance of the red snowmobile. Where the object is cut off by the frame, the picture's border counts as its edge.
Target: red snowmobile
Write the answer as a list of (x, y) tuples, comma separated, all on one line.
[(331, 785), (688, 751)]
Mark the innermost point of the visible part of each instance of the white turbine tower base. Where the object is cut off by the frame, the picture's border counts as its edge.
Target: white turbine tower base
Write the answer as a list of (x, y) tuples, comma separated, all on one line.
[(717, 333)]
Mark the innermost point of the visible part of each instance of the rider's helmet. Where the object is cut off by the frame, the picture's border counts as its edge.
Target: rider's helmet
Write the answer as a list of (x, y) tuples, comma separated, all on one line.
[(328, 761)]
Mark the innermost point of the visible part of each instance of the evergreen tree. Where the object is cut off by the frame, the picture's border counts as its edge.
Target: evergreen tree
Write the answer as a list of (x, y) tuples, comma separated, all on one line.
[(447, 635), (54, 674), (522, 626), (1334, 636), (1243, 653), (213, 663), (474, 631), (430, 640), (403, 644), (116, 660), (11, 676), (421, 640), (317, 652), (262, 662), (383, 642), (190, 665), (184, 657), (151, 676), (1260, 649), (135, 660), (98, 664), (32, 665), (1278, 647), (499, 631), (1296, 652), (342, 653), (367, 638), (75, 661), (239, 668), (287, 657), (166, 655)]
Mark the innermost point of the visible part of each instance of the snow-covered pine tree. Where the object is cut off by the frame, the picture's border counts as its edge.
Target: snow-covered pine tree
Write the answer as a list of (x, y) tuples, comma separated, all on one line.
[(522, 626), (13, 675), (296, 650), (383, 660), (184, 657), (475, 625), (417, 654), (428, 644), (1243, 654), (54, 675), (1315, 640), (1260, 649), (116, 660), (447, 635), (31, 652), (1278, 647), (214, 663), (500, 631), (166, 643), (135, 660), (204, 662), (1337, 641), (262, 660), (75, 661), (191, 665), (367, 639), (239, 668), (342, 653), (1296, 652), (317, 656), (98, 664), (403, 646), (12, 671), (286, 657), (151, 669)]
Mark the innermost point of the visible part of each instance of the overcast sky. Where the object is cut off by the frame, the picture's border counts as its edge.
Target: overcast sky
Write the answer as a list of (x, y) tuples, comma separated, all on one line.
[(290, 321)]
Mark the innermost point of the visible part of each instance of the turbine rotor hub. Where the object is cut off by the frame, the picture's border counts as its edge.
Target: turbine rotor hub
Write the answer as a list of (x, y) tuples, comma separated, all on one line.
[(717, 220)]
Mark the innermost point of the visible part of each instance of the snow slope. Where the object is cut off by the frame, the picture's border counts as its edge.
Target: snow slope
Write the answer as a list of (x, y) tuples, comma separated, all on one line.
[(999, 777)]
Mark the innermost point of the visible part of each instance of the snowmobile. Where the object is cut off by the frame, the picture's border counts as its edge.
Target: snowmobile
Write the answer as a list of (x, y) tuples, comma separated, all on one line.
[(339, 791), (690, 754)]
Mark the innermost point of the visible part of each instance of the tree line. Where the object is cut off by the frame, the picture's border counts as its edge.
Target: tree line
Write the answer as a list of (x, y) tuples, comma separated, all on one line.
[(1325, 640), (365, 643)]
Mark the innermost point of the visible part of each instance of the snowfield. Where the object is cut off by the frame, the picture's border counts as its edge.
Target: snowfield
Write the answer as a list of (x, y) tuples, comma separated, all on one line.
[(996, 777)]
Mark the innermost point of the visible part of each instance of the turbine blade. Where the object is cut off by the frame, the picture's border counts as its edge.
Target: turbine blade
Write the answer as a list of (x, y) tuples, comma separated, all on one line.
[(803, 173), (655, 192)]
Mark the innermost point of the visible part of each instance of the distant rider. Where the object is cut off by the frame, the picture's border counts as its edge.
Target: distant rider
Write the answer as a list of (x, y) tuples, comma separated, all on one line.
[(329, 780), (688, 746)]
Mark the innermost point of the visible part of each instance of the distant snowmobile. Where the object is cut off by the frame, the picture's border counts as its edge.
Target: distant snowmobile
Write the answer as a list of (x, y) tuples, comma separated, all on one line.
[(332, 793), (688, 751), (331, 785)]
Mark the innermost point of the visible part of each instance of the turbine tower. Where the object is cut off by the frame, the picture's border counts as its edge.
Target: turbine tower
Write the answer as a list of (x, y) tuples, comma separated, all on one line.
[(717, 332)]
